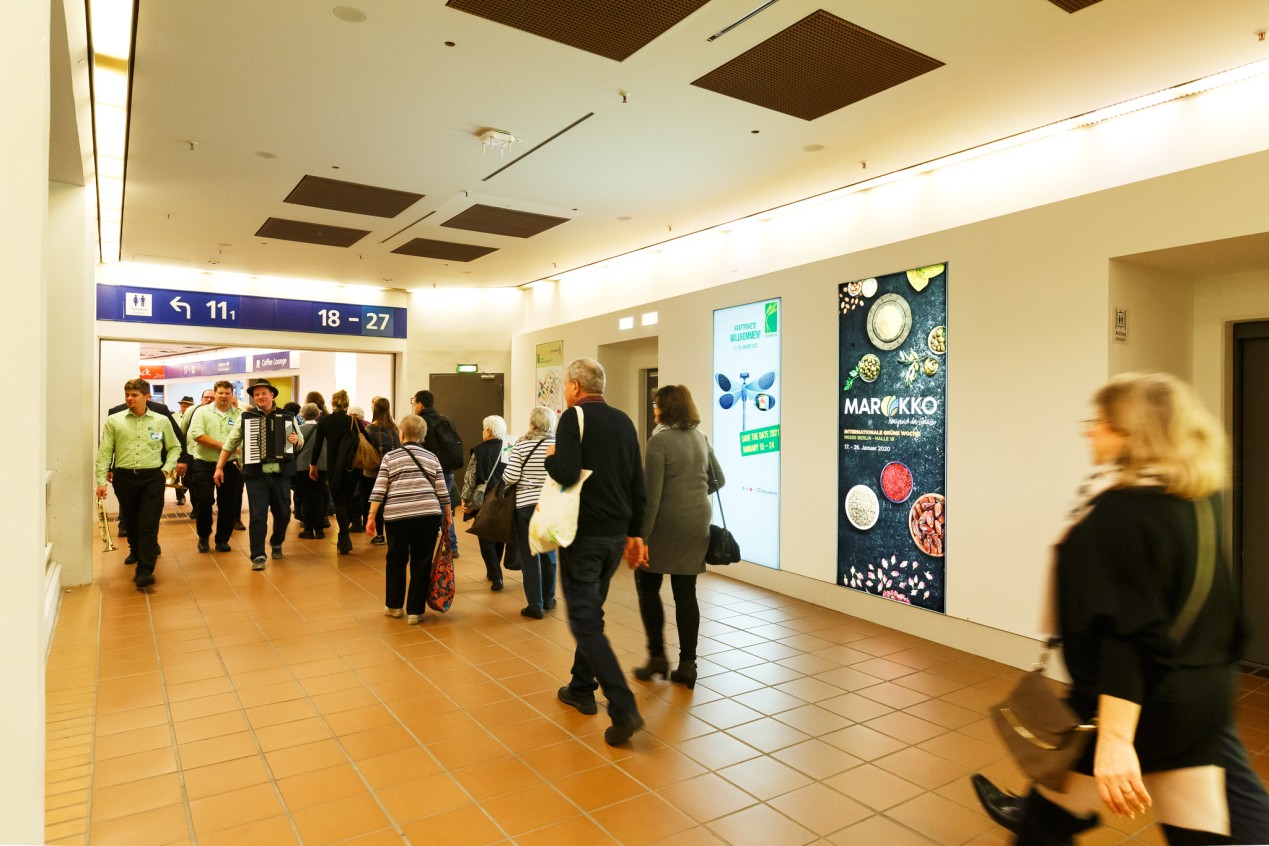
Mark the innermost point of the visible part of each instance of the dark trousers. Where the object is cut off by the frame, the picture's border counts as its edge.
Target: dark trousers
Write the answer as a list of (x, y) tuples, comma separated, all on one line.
[(313, 496), (141, 494), (686, 612), (1248, 802), (343, 495), (229, 494), (492, 552), (453, 533), (411, 542), (267, 492), (586, 570), (538, 571)]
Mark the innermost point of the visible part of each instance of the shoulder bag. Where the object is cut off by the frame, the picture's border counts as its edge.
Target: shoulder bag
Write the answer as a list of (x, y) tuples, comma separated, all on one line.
[(554, 521), (722, 548), (440, 589), (477, 498), (1046, 737), (366, 458), (496, 519)]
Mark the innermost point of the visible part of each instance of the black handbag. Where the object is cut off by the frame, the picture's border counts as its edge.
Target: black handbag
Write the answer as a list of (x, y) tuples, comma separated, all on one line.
[(1047, 738), (722, 548), (496, 519)]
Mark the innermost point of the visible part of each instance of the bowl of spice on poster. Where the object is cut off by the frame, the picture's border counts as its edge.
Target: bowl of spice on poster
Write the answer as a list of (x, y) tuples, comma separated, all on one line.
[(896, 481)]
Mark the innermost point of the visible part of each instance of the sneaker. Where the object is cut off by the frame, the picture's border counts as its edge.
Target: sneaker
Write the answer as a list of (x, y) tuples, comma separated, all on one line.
[(203, 545), (257, 563), (378, 540), (413, 619), (222, 547), (392, 612), (623, 726), (277, 552), (584, 704)]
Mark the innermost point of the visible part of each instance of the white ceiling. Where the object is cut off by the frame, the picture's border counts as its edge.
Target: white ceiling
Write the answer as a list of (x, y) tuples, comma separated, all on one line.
[(269, 92)]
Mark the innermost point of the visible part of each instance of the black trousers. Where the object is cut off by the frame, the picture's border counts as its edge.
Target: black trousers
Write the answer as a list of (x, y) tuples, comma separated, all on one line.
[(203, 492), (687, 613), (141, 494), (411, 543), (313, 496), (586, 570)]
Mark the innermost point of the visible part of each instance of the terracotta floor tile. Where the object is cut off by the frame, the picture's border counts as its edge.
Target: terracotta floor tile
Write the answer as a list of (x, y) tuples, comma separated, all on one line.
[(969, 753), (642, 820), (274, 830), (875, 787), (599, 787), (854, 707), (529, 808), (764, 777), (467, 750), (863, 742), (423, 797), (339, 820), (331, 682), (135, 797), (939, 819), (661, 767), (464, 826), (717, 750), (761, 825), (304, 758), (320, 786), (133, 767), (817, 759), (706, 797), (200, 753), (893, 695), (495, 777), (398, 767), (574, 830), (921, 767), (204, 706), (235, 808), (903, 726), (132, 741), (206, 781), (358, 720), (215, 725), (148, 828), (820, 808), (295, 733), (127, 720), (530, 734), (878, 829), (767, 734)]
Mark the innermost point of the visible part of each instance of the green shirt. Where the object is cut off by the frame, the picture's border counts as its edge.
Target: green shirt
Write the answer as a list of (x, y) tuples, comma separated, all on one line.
[(208, 420), (137, 443)]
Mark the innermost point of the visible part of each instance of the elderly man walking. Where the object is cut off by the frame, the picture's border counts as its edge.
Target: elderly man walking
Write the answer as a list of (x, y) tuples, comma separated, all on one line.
[(609, 525)]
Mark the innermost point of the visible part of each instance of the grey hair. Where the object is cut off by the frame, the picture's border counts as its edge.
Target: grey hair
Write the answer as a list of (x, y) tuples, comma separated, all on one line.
[(310, 411), (356, 411), (496, 426), (588, 374), (413, 429), (541, 422)]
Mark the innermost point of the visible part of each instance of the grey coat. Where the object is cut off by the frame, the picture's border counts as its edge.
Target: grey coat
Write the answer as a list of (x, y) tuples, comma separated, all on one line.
[(676, 521)]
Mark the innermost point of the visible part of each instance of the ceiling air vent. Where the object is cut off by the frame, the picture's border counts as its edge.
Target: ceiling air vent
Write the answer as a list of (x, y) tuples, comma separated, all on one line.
[(1073, 6), (310, 233), (496, 221), (335, 195), (444, 250)]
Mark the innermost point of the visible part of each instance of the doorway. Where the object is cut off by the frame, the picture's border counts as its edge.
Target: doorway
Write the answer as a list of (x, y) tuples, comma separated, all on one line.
[(1251, 482), (625, 365), (467, 399)]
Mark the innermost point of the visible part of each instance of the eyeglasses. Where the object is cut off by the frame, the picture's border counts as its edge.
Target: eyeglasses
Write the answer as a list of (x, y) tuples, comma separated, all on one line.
[(654, 405)]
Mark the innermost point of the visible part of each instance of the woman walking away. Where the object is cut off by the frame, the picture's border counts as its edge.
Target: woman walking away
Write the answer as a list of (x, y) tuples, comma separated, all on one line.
[(1149, 620), (312, 492), (410, 489), (680, 473), (526, 470), (382, 432), (332, 431), (486, 463)]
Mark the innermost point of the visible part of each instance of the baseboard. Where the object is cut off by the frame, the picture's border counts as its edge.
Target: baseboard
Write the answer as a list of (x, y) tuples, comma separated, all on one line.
[(52, 603)]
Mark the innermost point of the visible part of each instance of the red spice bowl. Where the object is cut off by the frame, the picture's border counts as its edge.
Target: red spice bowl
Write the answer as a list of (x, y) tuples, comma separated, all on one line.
[(896, 481)]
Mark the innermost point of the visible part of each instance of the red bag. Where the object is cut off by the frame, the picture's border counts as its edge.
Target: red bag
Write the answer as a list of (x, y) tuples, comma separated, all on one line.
[(440, 593)]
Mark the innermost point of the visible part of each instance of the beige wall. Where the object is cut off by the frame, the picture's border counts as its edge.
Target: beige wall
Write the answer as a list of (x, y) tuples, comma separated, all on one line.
[(1160, 308)]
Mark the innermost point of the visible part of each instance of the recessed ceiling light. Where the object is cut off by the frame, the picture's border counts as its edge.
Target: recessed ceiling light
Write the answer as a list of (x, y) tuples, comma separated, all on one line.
[(348, 14), (812, 148), (624, 217), (265, 154)]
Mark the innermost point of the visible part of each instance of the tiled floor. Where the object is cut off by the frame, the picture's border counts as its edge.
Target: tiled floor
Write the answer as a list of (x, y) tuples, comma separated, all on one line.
[(227, 706)]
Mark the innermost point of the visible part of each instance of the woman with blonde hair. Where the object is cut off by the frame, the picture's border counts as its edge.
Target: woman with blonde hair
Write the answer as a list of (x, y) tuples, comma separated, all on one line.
[(1149, 620)]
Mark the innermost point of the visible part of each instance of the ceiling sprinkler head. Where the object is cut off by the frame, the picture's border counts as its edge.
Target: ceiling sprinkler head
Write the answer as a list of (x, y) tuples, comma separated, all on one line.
[(498, 139)]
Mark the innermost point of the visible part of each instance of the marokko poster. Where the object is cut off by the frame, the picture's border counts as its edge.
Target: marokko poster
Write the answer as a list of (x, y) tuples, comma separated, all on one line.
[(746, 413), (892, 456)]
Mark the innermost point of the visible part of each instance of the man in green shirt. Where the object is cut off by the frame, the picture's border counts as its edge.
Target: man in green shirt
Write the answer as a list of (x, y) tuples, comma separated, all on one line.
[(136, 439), (209, 428)]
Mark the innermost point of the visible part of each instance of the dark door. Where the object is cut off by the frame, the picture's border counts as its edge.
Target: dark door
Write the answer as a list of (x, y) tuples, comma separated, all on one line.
[(467, 399), (651, 381), (1251, 480)]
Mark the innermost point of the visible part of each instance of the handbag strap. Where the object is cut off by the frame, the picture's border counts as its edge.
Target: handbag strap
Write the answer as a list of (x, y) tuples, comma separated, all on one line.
[(713, 483), (426, 475), (1203, 574), (493, 469)]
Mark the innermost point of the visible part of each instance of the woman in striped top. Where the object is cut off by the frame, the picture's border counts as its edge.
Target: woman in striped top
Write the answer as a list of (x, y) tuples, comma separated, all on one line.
[(411, 490), (526, 469)]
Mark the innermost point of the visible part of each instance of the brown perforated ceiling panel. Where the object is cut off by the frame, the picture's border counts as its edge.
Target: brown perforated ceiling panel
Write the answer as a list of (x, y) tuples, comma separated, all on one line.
[(1073, 6), (817, 66), (496, 221), (445, 250), (333, 194), (310, 233), (611, 28)]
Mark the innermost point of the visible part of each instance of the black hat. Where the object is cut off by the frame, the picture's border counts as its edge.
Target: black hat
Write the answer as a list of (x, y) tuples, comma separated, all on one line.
[(263, 383), (185, 400)]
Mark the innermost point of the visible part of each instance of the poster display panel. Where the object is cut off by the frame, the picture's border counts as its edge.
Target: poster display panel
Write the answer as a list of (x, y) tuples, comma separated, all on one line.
[(892, 460), (549, 386), (746, 413)]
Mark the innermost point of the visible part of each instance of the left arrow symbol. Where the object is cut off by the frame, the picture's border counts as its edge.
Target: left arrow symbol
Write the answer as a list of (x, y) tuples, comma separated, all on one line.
[(177, 304)]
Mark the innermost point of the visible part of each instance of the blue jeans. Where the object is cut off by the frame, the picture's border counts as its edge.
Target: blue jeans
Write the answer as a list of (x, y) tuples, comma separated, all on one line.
[(537, 571), (453, 534), (268, 492), (1248, 802), (586, 570)]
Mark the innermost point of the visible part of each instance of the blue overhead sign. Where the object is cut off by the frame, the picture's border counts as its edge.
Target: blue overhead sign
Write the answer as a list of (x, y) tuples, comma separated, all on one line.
[(132, 304)]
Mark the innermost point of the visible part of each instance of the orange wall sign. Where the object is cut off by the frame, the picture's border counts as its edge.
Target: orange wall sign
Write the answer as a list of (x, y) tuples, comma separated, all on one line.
[(153, 371)]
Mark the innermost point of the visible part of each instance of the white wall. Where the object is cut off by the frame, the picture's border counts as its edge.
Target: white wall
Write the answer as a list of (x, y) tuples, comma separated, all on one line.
[(1160, 320)]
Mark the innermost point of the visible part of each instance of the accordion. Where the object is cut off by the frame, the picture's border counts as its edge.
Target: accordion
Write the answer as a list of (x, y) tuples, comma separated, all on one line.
[(264, 437)]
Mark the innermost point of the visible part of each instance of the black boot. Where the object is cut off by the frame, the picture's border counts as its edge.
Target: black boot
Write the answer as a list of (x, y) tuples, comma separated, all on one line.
[(685, 674), (1044, 823), (656, 666)]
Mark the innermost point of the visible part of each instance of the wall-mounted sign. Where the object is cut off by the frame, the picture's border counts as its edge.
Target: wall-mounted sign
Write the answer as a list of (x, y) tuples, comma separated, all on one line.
[(272, 361), (212, 367), (1121, 326), (892, 457), (746, 414), (131, 304), (549, 385), (153, 371), (466, 368)]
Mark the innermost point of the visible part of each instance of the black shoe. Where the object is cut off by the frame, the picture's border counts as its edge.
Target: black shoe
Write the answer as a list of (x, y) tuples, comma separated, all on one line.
[(656, 666), (158, 550), (497, 585), (455, 553), (532, 613), (221, 546), (131, 559), (193, 515), (240, 527), (123, 532), (203, 546), (685, 674), (344, 544), (378, 540), (277, 552), (548, 604), (623, 726), (1005, 809), (307, 534), (585, 705), (144, 580), (319, 534)]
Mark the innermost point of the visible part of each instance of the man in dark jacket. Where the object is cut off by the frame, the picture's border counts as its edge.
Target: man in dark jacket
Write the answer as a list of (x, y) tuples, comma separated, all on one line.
[(424, 405), (609, 527)]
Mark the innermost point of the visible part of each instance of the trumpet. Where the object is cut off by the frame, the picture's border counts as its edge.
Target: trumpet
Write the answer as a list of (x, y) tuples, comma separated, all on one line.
[(104, 526), (174, 482)]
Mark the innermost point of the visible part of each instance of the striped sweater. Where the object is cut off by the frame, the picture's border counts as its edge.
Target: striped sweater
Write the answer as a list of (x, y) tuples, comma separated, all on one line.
[(404, 491), (530, 477)]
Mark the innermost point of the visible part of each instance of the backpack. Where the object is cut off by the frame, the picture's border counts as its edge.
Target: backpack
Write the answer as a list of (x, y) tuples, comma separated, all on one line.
[(449, 446)]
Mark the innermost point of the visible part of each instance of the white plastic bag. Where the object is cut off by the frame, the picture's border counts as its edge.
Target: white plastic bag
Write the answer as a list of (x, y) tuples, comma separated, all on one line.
[(554, 521)]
